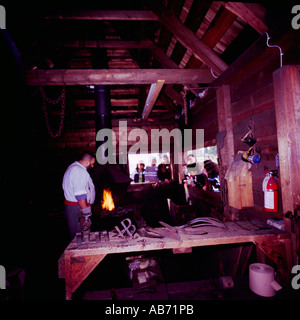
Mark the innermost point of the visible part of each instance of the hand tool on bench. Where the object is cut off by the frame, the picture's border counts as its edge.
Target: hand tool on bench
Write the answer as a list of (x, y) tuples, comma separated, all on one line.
[(173, 232), (203, 222), (147, 232), (195, 224), (165, 232)]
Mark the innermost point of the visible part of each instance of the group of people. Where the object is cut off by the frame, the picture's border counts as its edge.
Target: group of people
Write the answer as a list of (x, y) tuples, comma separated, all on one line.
[(205, 176), (153, 173), (79, 190)]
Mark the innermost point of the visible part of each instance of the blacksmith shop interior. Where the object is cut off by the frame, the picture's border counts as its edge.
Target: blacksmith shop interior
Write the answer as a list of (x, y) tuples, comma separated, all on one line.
[(150, 150)]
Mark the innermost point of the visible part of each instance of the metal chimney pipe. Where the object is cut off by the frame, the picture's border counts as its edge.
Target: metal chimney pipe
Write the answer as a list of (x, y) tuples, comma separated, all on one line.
[(102, 101), (102, 107)]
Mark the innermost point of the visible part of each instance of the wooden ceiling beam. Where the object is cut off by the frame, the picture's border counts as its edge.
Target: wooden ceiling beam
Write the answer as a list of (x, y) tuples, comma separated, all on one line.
[(252, 13), (109, 44), (153, 94), (115, 76), (222, 22), (188, 39), (122, 15)]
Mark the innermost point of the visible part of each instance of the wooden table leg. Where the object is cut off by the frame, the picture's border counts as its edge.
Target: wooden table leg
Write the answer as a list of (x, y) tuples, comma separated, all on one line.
[(260, 255), (77, 269), (68, 277), (279, 251), (288, 254), (286, 267)]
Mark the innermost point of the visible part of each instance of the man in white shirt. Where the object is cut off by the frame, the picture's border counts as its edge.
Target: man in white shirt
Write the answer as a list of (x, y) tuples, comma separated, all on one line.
[(79, 192)]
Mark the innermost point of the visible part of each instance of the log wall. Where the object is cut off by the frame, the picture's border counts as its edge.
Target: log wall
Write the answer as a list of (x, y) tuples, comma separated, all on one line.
[(84, 139)]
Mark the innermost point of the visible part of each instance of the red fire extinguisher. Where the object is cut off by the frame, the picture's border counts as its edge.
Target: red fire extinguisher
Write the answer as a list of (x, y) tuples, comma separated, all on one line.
[(270, 188)]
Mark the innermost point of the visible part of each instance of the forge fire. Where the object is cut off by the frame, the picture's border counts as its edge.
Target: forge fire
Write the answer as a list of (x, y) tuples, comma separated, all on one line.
[(107, 202)]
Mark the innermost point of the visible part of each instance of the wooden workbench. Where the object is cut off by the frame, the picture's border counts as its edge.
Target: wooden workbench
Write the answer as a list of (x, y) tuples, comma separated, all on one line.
[(79, 260)]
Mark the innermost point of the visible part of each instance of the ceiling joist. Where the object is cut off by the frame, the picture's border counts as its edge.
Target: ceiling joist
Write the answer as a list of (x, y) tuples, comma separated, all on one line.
[(178, 41), (252, 13), (122, 15), (110, 44), (116, 76)]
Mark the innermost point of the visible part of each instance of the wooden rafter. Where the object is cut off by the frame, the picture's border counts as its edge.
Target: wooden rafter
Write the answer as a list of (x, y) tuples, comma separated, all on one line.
[(187, 37), (116, 76), (252, 13), (152, 97), (223, 20), (123, 15), (110, 44)]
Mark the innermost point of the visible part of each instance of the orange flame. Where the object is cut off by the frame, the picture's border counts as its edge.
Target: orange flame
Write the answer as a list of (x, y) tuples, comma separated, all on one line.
[(107, 203)]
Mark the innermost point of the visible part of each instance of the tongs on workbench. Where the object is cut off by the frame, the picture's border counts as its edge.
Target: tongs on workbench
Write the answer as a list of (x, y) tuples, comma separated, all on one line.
[(173, 232), (195, 224), (167, 232), (203, 222), (192, 227)]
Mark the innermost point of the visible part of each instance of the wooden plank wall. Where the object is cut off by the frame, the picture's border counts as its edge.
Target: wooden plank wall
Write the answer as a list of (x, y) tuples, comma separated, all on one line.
[(252, 97), (207, 119)]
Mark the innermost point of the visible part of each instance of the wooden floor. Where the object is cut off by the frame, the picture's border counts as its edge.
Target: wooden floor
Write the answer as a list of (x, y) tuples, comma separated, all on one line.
[(208, 289)]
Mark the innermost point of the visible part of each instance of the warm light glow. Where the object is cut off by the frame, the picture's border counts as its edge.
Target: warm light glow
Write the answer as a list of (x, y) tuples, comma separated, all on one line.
[(107, 201)]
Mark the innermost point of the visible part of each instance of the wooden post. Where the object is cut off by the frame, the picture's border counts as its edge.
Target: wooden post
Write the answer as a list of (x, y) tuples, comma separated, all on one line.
[(225, 123), (287, 107), (226, 154)]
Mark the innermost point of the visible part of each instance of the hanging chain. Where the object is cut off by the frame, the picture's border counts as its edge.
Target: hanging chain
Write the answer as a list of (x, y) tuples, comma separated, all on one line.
[(62, 99), (185, 109)]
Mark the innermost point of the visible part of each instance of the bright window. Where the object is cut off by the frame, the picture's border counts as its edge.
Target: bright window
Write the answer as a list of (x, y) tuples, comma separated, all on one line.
[(202, 154), (146, 158)]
